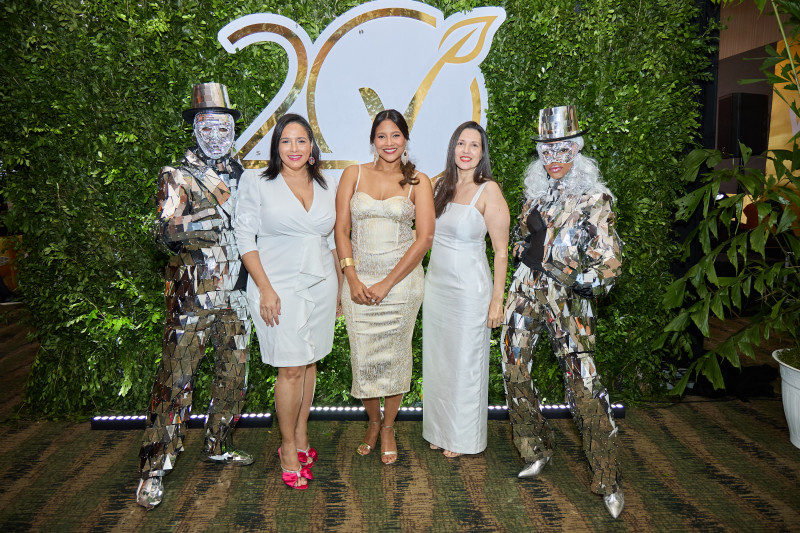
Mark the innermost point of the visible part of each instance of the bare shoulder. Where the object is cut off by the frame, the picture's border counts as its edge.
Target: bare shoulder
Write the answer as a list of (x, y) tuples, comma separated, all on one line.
[(493, 190), (495, 213), (424, 180), (350, 172), (422, 192), (493, 196), (348, 177)]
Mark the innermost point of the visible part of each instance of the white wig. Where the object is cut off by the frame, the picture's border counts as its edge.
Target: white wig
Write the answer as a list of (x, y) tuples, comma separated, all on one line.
[(583, 177)]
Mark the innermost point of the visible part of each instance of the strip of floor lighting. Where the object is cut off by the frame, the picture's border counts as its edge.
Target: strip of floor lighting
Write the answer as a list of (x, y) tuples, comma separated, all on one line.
[(344, 413), (246, 420)]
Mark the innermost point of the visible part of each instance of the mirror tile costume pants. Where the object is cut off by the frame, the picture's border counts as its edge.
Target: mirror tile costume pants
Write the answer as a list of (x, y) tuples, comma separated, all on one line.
[(536, 302), (184, 346)]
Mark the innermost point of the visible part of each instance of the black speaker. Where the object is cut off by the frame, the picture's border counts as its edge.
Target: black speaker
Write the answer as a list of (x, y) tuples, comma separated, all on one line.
[(743, 117)]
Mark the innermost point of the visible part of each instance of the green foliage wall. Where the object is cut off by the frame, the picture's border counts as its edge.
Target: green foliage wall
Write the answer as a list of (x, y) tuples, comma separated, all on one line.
[(91, 99)]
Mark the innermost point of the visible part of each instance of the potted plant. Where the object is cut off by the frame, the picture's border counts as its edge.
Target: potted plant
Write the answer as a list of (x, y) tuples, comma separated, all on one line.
[(789, 359), (756, 231)]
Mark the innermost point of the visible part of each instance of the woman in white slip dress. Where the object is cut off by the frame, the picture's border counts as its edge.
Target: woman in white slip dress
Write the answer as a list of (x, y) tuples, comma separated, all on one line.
[(375, 206), (462, 303)]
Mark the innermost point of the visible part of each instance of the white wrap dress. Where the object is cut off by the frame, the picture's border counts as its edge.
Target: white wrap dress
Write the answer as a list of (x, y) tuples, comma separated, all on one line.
[(294, 246), (455, 336)]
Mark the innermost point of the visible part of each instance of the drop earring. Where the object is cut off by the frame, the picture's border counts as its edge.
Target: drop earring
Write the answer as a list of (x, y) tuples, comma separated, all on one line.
[(404, 157), (375, 156), (311, 160)]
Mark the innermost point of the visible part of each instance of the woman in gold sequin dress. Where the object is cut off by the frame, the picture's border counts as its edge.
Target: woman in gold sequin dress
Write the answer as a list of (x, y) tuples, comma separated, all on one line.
[(376, 205)]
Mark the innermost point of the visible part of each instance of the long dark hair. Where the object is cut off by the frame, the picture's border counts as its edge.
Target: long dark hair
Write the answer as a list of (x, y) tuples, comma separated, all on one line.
[(276, 165), (395, 116), (445, 188)]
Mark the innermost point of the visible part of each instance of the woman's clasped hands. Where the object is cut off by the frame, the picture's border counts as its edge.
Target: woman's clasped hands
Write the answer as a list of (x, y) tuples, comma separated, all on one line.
[(363, 295)]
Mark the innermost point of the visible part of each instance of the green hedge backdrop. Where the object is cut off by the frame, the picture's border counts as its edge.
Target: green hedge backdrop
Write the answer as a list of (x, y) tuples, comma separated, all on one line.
[(91, 101)]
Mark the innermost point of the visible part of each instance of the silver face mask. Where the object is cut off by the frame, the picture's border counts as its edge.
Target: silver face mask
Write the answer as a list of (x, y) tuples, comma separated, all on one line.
[(558, 152), (214, 133)]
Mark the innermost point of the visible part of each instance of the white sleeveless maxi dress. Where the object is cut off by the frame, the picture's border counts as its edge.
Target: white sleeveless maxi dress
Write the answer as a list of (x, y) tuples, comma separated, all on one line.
[(455, 336)]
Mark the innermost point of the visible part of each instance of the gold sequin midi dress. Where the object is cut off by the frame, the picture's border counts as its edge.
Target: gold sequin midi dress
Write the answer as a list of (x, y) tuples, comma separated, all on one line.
[(380, 335)]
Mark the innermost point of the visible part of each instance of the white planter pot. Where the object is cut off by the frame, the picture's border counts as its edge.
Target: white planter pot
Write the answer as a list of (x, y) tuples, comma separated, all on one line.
[(790, 387)]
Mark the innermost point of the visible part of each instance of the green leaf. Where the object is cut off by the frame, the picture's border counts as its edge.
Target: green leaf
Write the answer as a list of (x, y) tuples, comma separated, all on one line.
[(746, 285), (791, 195), (699, 314), (746, 153), (711, 271), (680, 386), (688, 204), (746, 347), (708, 366), (678, 323), (717, 305), (758, 240), (764, 210), (727, 349), (675, 294), (750, 81), (696, 159), (733, 257), (736, 296), (659, 341), (777, 308), (714, 159)]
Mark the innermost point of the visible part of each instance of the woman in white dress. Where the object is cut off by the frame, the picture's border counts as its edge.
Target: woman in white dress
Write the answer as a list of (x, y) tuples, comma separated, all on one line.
[(284, 227), (461, 302)]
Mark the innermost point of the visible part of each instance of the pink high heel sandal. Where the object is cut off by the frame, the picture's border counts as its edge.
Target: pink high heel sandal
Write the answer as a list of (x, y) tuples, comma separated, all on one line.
[(307, 457), (304, 471), (292, 477)]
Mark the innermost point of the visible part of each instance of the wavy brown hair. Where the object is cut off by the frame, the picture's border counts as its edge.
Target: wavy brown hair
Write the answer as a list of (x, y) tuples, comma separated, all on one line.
[(276, 165), (408, 169), (445, 188)]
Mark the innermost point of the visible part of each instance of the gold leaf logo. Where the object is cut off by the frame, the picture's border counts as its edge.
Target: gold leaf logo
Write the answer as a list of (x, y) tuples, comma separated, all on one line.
[(343, 79)]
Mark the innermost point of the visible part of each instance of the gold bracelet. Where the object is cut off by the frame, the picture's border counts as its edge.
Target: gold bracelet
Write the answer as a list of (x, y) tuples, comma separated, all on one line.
[(346, 262)]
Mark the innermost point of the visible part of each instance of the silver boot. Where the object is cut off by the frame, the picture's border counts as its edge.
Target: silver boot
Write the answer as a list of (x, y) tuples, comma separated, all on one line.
[(232, 457), (614, 503), (534, 469), (150, 492)]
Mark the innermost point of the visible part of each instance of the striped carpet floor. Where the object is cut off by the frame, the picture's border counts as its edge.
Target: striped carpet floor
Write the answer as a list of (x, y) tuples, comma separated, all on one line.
[(695, 466)]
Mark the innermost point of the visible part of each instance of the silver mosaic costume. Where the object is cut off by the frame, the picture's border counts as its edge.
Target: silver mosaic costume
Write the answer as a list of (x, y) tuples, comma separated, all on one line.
[(204, 299), (580, 260)]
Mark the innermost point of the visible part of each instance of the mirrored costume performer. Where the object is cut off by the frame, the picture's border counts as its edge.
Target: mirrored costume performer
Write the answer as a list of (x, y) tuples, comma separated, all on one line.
[(204, 296), (568, 254)]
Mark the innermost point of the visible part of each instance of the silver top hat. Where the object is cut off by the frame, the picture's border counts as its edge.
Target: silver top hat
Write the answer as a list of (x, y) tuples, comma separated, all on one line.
[(208, 97), (557, 124)]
